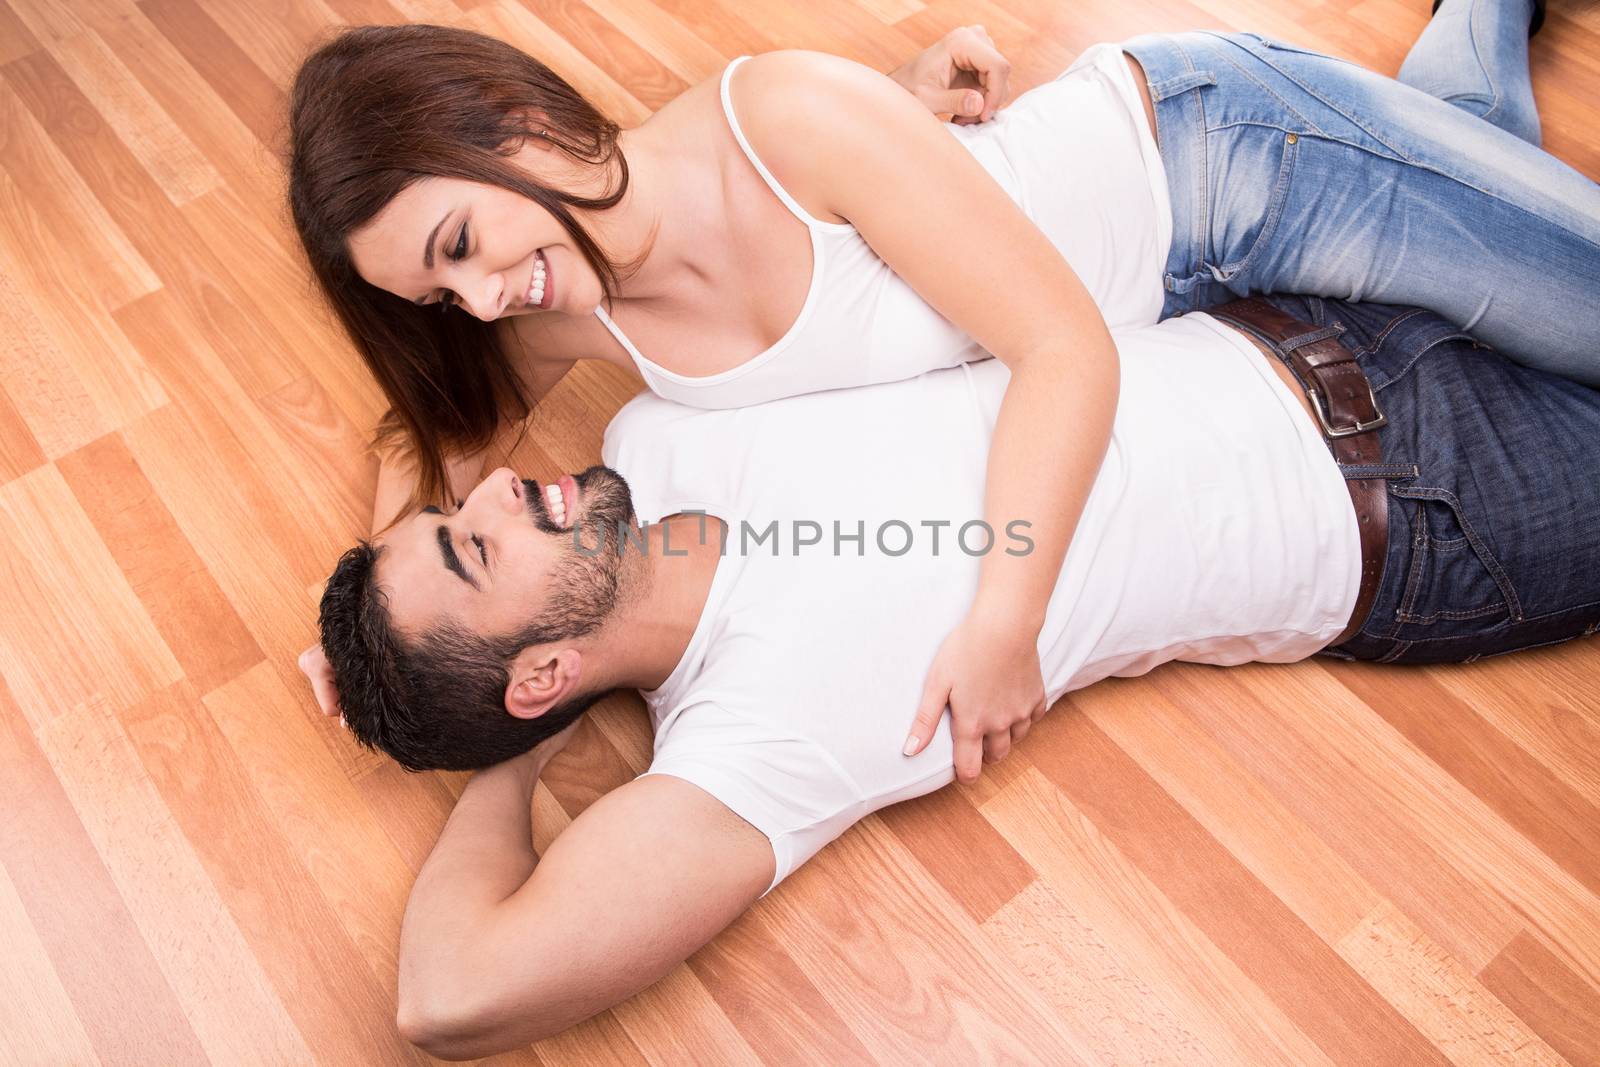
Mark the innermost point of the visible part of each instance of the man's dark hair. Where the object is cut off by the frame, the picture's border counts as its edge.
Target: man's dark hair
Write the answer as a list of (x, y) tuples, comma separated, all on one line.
[(436, 702)]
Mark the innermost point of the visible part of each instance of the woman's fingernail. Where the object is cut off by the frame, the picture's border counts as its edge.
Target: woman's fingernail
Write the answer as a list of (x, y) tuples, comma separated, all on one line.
[(974, 102), (911, 745)]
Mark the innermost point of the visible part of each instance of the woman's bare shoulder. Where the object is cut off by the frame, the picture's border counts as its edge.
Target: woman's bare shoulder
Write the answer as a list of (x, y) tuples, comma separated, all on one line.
[(793, 69), (764, 92)]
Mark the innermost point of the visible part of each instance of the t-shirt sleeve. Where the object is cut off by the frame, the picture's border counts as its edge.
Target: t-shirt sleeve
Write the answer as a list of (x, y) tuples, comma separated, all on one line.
[(788, 787)]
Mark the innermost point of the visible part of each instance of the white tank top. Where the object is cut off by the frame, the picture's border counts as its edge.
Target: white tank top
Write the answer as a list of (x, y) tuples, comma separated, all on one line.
[(1218, 531), (1075, 154)]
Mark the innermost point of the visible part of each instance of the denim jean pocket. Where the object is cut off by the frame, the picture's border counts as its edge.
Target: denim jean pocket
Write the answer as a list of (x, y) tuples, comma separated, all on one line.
[(1245, 215), (1452, 575)]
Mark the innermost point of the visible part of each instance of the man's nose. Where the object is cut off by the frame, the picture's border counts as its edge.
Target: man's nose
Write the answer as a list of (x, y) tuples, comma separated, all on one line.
[(500, 489)]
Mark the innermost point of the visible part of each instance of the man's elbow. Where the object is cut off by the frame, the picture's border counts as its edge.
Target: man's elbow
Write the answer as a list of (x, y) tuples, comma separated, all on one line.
[(437, 1011), (436, 1028), (454, 1027)]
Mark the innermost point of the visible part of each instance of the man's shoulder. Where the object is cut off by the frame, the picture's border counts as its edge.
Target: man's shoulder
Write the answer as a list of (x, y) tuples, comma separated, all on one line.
[(646, 420)]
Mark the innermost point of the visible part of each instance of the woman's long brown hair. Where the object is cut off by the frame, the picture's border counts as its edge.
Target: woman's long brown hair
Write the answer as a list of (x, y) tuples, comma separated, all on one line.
[(380, 107)]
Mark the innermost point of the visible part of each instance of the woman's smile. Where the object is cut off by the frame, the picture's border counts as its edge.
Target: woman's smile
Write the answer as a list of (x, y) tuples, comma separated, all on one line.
[(540, 291)]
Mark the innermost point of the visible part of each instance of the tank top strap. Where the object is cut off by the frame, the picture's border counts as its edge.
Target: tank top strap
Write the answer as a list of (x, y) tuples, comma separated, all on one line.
[(766, 175), (644, 366)]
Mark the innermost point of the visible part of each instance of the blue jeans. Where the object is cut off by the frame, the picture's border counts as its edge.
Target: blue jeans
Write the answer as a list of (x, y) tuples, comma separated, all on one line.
[(1294, 172), (1473, 54), (1494, 502)]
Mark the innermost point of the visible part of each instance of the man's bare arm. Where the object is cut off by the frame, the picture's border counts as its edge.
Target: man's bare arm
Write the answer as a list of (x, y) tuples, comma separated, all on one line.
[(499, 948)]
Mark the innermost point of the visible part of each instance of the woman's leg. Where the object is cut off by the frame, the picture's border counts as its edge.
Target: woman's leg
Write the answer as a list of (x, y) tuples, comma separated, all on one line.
[(1294, 172), (1474, 54)]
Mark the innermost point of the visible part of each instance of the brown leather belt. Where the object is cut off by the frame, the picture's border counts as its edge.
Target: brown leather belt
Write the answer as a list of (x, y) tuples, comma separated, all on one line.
[(1348, 414)]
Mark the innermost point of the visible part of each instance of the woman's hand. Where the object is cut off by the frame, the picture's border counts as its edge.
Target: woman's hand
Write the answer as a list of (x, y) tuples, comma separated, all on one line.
[(320, 673), (991, 680), (962, 74)]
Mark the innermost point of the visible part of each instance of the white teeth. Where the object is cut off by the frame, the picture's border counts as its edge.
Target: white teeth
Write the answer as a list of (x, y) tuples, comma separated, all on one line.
[(536, 290), (556, 505)]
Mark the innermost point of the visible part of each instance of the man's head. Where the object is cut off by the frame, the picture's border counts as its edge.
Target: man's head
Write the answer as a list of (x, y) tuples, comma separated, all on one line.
[(458, 641)]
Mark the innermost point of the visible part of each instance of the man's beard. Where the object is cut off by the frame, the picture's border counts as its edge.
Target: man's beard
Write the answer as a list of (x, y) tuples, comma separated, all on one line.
[(585, 586)]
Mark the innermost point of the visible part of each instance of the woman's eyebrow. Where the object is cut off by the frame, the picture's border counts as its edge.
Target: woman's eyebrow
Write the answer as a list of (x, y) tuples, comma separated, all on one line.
[(427, 251)]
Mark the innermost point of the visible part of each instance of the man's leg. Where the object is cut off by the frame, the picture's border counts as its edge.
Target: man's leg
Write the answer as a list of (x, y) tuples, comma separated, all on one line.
[(1494, 541), (1474, 54)]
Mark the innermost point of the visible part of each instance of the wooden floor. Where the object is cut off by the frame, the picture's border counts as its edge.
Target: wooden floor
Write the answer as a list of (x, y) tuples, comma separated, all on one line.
[(1303, 865)]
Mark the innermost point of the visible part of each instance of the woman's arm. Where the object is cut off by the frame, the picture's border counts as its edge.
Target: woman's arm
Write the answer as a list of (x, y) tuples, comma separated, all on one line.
[(954, 235)]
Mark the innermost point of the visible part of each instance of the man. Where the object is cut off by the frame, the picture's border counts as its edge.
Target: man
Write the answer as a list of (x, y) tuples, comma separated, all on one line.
[(785, 574)]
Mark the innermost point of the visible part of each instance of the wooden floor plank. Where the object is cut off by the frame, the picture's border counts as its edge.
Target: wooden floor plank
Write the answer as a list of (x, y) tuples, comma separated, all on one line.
[(80, 236), (338, 1005), (1441, 997), (510, 21), (227, 68), (1125, 950), (196, 278), (192, 615), (39, 381), (1500, 773), (698, 1032), (1424, 804), (960, 850), (286, 751), (57, 577), (752, 976), (1272, 946), (80, 918), (1119, 1015), (1356, 817), (959, 1003), (35, 1014), (1527, 699), (15, 39), (299, 508), (226, 996), (1554, 1002), (277, 39), (652, 83), (176, 165), (1226, 798), (19, 449)]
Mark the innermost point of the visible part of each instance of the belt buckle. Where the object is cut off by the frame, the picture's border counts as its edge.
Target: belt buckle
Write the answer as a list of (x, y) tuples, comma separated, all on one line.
[(1332, 432)]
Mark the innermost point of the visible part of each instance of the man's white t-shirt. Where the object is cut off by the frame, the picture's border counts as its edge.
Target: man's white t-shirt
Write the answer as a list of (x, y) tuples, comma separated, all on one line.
[(1219, 530)]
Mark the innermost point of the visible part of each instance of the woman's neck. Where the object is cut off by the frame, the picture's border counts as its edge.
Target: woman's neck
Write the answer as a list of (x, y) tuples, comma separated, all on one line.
[(669, 175)]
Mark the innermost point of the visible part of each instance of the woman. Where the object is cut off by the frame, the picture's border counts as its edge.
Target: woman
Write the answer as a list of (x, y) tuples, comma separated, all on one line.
[(433, 167)]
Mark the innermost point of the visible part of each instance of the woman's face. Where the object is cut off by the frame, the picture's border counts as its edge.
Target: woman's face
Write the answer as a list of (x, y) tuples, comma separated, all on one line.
[(454, 241)]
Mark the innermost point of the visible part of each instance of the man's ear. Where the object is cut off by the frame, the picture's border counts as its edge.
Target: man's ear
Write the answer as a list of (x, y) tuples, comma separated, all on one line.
[(542, 679)]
